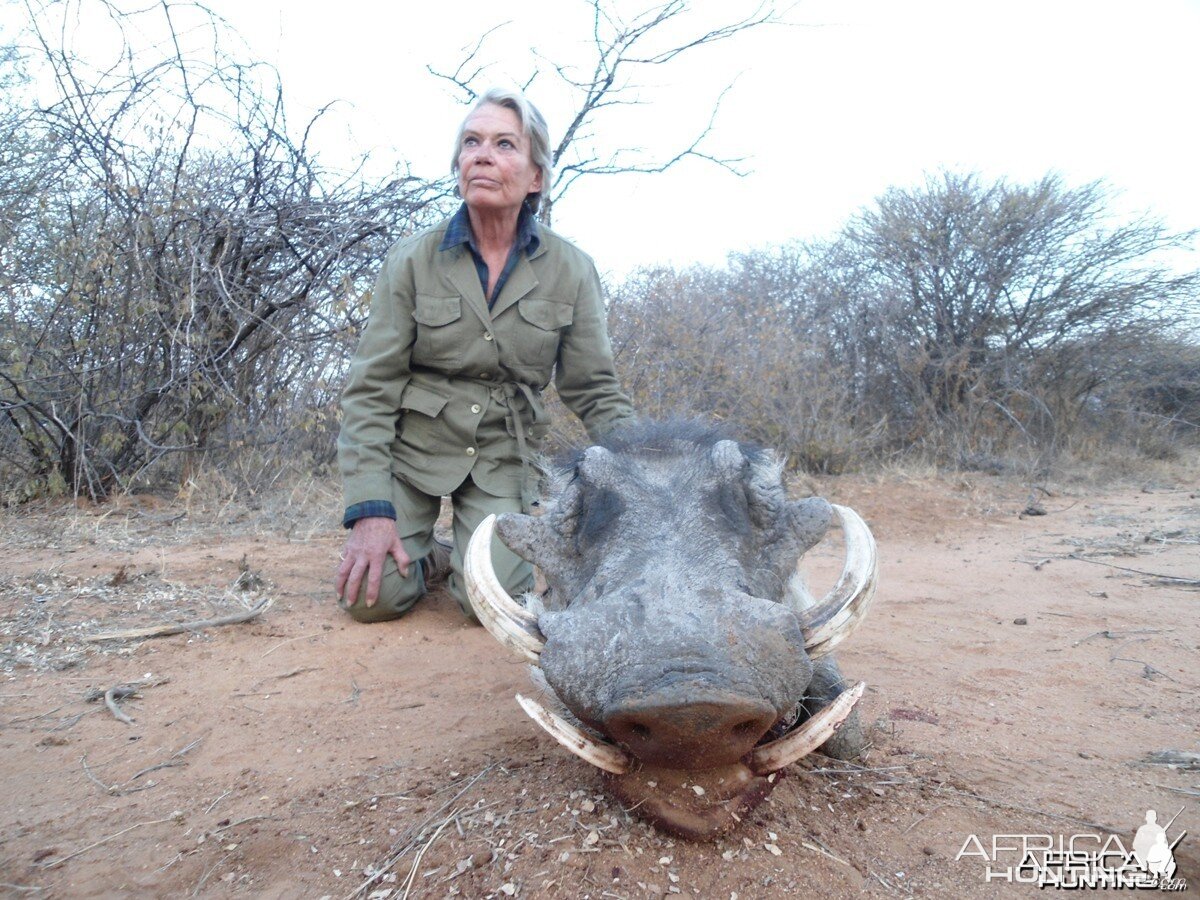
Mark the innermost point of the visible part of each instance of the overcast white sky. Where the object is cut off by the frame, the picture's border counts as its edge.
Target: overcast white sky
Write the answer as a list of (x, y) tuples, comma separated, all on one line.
[(858, 96)]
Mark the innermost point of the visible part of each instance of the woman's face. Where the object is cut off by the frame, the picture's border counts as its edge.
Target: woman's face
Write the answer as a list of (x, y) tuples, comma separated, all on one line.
[(495, 169)]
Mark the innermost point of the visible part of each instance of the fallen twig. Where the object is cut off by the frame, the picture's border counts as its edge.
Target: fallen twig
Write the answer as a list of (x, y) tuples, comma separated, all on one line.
[(1004, 804), (300, 671), (917, 822), (1176, 790), (110, 700), (1149, 668), (408, 840), (108, 788), (174, 817), (290, 640), (213, 805), (1182, 758), (1114, 635), (239, 822), (1168, 578), (412, 873), (816, 849), (198, 625), (175, 759), (120, 692), (32, 718)]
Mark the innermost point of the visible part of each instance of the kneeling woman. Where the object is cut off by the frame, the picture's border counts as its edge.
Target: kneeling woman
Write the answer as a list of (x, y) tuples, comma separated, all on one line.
[(469, 320)]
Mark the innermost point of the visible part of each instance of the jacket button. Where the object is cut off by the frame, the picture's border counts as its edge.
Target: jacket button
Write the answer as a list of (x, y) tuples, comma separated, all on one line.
[(470, 451), (487, 336), (475, 407)]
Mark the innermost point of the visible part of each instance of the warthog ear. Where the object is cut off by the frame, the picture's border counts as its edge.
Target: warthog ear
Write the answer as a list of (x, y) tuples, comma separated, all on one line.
[(764, 490), (810, 520), (598, 467), (727, 459)]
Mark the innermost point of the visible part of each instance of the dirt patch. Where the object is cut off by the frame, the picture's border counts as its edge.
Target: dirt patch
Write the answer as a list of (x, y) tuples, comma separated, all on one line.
[(1020, 671)]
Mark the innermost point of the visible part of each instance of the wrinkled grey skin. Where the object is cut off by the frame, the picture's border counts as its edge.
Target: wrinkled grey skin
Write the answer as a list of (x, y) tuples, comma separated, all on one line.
[(667, 554)]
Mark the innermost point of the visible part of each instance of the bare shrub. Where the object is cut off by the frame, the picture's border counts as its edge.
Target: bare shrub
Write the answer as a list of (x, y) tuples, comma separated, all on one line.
[(985, 326), (182, 275)]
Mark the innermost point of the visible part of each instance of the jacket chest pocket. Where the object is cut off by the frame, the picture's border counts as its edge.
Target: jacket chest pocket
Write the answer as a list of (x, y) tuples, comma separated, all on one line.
[(538, 330), (440, 339)]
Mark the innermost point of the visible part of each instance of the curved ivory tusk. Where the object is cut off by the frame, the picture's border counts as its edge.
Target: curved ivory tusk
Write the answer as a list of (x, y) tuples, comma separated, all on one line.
[(601, 754), (808, 737), (830, 621), (507, 621)]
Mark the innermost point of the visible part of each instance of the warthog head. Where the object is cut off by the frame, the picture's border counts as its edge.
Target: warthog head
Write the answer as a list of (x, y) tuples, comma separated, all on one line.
[(679, 649)]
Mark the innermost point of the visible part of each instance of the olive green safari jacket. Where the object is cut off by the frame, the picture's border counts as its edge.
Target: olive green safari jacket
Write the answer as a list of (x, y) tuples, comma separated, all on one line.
[(441, 388)]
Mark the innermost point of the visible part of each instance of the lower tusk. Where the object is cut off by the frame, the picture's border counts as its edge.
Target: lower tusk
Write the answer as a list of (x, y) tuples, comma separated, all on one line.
[(600, 754), (507, 621), (808, 737)]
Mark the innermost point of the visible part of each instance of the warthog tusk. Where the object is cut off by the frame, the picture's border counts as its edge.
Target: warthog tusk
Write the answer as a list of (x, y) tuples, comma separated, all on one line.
[(808, 737), (600, 754), (507, 621), (829, 622)]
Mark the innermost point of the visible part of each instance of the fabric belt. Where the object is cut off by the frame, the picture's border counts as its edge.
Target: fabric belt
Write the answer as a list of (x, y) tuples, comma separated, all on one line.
[(507, 392)]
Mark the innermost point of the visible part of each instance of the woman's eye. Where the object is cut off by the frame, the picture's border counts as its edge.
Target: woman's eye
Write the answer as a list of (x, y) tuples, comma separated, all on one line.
[(506, 144), (470, 142)]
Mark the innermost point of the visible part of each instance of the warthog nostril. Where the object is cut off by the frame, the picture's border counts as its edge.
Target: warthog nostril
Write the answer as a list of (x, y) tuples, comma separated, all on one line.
[(750, 726), (638, 730)]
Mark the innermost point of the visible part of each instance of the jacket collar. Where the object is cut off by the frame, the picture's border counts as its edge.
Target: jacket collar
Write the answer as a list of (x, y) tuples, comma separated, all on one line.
[(463, 272)]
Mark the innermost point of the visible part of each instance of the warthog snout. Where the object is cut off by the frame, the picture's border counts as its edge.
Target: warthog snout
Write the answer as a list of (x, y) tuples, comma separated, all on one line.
[(706, 730)]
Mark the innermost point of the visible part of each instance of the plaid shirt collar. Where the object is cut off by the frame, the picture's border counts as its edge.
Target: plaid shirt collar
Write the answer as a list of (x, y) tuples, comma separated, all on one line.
[(458, 232)]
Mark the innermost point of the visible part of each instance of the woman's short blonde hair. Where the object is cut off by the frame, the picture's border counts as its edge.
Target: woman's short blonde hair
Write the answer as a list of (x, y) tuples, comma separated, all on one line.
[(533, 124)]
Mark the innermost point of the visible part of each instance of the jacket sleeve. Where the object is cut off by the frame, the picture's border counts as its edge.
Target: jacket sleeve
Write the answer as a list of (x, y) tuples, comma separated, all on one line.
[(585, 375), (379, 372)]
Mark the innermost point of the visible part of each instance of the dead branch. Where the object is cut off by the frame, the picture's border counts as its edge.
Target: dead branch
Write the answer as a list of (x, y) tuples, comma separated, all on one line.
[(826, 853), (295, 672), (199, 625), (1148, 669), (412, 838), (174, 817), (1176, 790), (213, 805), (223, 828), (1003, 804), (1116, 635), (107, 788), (290, 640), (120, 692), (1166, 578), (619, 50), (110, 700), (175, 759), (1173, 758)]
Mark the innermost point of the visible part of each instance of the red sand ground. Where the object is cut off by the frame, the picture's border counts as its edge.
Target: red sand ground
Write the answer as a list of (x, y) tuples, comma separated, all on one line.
[(1012, 689)]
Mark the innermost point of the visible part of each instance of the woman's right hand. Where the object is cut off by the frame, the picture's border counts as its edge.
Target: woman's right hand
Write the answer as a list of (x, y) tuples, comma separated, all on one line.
[(371, 541)]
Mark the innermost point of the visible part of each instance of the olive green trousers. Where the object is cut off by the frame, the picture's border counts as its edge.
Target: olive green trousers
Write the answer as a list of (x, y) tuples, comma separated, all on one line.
[(416, 513)]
